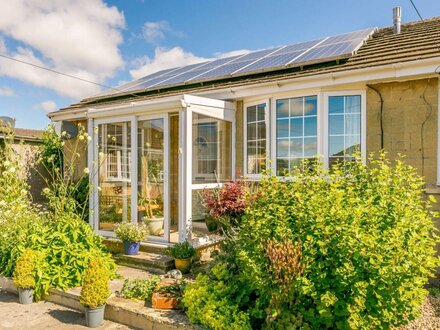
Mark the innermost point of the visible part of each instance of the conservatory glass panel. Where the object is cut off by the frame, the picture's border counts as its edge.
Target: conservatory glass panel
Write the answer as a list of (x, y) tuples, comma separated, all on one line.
[(114, 169)]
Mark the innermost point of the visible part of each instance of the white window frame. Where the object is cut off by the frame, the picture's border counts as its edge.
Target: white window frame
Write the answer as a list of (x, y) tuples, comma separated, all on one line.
[(256, 176), (322, 122)]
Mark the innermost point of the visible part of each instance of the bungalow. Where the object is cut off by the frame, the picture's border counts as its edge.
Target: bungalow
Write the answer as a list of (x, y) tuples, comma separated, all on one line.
[(159, 140)]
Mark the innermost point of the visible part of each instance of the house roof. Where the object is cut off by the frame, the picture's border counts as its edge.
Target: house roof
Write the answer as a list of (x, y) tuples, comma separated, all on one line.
[(417, 41), (27, 134)]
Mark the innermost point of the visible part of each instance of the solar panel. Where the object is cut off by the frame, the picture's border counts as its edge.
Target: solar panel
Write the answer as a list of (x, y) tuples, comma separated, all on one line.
[(320, 50)]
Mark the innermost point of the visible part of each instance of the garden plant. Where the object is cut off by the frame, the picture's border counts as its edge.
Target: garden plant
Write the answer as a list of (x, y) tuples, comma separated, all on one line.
[(95, 292), (57, 231), (346, 248), (182, 254), (131, 234)]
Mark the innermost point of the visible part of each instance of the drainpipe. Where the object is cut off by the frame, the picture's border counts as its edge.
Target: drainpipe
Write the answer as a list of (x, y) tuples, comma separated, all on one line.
[(381, 114)]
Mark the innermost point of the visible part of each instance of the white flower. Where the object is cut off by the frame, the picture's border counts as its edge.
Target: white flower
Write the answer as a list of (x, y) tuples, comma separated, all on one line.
[(86, 170), (89, 138), (81, 137), (12, 170), (23, 192), (7, 163), (46, 191), (63, 133)]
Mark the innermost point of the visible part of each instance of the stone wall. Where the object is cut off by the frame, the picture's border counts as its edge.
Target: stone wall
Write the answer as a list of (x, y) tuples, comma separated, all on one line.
[(409, 117)]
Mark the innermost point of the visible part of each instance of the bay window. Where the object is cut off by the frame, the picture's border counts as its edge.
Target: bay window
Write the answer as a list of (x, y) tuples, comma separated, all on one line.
[(329, 125)]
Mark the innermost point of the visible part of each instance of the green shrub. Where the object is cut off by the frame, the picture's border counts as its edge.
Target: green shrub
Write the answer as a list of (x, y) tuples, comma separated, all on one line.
[(347, 249), (214, 301), (65, 241), (25, 270), (181, 250), (141, 289), (131, 232), (95, 287)]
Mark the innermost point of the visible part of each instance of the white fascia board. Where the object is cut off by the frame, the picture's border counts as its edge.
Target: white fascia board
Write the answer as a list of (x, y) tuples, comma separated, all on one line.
[(391, 72)]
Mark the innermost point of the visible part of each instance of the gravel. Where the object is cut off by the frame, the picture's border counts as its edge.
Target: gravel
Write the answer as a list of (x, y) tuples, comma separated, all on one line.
[(430, 319)]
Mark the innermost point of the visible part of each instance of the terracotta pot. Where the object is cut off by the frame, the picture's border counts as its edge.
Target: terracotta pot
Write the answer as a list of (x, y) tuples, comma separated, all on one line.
[(184, 265), (161, 302)]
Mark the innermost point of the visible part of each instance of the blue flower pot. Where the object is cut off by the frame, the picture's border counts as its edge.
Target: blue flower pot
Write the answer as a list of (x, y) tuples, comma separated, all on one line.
[(131, 248)]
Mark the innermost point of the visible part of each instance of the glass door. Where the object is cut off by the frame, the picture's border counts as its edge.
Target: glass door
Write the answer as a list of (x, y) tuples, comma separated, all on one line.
[(152, 178)]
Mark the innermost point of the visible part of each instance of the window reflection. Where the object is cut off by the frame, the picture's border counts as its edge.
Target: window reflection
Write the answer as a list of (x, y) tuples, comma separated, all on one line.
[(344, 127), (296, 133), (211, 149)]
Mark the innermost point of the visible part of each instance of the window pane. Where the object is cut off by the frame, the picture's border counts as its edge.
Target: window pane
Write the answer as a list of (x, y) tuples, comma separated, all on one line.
[(310, 126), (296, 107), (261, 112), (252, 114), (336, 104), (114, 159), (282, 108), (296, 127), (282, 166), (336, 145), (352, 144), (282, 148), (252, 131), (336, 124), (310, 106), (353, 104), (310, 147), (211, 149), (296, 148), (352, 124), (282, 127), (151, 175), (261, 130)]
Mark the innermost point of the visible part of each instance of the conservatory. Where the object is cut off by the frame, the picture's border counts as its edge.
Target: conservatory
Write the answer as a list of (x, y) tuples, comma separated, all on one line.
[(151, 163)]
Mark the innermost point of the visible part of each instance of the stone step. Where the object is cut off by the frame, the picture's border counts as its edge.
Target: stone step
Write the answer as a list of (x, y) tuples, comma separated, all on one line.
[(152, 262), (135, 314)]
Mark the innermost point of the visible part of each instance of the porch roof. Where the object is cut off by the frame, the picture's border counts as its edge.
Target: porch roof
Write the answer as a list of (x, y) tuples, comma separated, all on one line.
[(417, 41)]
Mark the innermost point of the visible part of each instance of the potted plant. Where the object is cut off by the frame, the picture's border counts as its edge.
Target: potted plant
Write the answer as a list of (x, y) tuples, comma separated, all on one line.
[(24, 276), (182, 254), (166, 296), (131, 234), (94, 292)]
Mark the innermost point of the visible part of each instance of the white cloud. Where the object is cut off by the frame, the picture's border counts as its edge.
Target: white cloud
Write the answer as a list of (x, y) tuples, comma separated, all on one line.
[(164, 59), (6, 91), (77, 37), (48, 106), (172, 58), (154, 32)]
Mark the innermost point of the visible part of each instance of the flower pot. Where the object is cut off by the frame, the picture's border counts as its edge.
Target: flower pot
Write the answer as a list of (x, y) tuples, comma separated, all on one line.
[(162, 302), (131, 248), (155, 225), (94, 316), (25, 296), (184, 265)]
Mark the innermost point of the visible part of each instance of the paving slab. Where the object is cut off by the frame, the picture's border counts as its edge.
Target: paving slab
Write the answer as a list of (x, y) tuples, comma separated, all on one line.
[(43, 315)]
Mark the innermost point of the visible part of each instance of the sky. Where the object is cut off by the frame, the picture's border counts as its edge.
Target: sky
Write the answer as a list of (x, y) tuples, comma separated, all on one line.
[(111, 42)]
